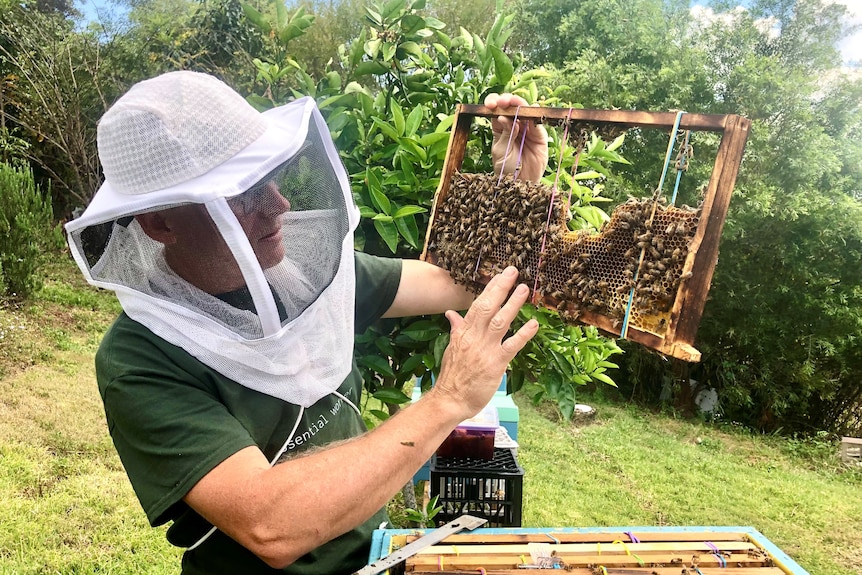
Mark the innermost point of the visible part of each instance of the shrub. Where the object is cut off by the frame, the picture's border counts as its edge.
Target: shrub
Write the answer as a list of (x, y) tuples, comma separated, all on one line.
[(27, 231)]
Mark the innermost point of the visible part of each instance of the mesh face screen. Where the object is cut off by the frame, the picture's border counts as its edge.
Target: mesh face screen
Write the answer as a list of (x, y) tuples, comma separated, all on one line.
[(294, 221), (480, 228), (313, 227)]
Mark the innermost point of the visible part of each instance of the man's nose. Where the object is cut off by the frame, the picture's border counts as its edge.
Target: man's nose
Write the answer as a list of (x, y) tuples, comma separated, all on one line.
[(275, 203)]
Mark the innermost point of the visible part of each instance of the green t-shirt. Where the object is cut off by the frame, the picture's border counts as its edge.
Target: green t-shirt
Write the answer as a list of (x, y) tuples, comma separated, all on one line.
[(173, 419)]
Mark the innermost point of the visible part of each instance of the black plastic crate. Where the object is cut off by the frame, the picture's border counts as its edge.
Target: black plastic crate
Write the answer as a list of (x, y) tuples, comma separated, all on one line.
[(490, 489)]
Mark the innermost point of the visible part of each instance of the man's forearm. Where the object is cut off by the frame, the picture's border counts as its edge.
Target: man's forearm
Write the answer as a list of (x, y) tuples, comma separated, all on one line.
[(427, 289), (285, 511)]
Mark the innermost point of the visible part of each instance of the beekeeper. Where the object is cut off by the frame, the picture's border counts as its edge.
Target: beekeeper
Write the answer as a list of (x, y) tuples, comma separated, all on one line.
[(228, 381)]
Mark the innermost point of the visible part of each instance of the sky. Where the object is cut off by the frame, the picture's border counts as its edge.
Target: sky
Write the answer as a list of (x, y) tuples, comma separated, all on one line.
[(851, 48)]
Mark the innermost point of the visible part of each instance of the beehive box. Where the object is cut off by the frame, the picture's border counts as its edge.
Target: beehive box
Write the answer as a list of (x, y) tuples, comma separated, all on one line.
[(594, 551), (851, 450), (645, 275)]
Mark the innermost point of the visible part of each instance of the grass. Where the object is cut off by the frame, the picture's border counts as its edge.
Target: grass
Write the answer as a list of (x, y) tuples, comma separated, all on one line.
[(635, 468), (66, 506)]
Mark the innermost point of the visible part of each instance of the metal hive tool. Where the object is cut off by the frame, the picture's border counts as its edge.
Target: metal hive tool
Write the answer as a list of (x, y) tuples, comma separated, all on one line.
[(645, 275)]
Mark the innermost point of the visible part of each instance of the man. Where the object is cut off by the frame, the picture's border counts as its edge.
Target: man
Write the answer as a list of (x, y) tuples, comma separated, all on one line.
[(228, 381)]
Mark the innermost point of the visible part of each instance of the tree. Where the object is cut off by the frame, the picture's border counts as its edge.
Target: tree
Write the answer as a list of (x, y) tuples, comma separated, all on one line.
[(55, 90)]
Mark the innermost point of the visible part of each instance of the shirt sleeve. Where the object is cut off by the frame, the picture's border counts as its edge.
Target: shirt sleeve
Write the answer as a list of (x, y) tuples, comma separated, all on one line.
[(377, 281), (166, 421)]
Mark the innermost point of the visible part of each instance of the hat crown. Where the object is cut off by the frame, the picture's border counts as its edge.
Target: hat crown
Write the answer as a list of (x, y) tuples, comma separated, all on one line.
[(173, 128)]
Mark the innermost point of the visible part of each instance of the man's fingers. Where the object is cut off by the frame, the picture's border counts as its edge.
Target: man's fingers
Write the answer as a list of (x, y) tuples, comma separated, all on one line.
[(504, 100), (455, 319), (496, 292), (503, 319), (519, 339)]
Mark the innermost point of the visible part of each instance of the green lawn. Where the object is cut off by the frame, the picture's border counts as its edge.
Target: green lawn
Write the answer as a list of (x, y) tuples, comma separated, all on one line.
[(66, 506), (633, 468)]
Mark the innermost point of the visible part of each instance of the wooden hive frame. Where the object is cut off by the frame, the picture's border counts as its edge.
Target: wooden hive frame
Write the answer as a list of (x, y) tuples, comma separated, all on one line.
[(678, 337), (707, 550)]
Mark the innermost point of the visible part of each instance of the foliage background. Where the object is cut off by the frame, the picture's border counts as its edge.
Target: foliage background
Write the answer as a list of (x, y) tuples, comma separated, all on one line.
[(780, 332)]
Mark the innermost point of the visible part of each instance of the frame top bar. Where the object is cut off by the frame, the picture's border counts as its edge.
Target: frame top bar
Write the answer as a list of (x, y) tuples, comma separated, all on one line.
[(629, 118)]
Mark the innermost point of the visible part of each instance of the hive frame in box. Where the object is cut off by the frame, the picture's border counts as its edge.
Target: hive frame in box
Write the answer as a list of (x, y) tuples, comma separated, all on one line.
[(680, 330), (614, 541)]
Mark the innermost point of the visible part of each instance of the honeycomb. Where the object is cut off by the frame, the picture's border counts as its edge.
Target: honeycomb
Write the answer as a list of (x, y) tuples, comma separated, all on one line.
[(483, 224)]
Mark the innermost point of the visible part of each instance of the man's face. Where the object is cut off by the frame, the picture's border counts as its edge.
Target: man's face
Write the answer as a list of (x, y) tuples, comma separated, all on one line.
[(196, 250), (259, 212)]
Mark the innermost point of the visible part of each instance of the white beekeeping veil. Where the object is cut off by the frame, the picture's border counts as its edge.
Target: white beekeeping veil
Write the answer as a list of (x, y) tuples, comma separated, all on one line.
[(227, 232)]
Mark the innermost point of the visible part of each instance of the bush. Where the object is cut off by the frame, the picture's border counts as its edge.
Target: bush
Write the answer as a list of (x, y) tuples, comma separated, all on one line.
[(27, 231)]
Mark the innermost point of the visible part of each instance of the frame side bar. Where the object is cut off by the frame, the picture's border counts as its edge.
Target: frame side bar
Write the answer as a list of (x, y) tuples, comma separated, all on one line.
[(721, 185)]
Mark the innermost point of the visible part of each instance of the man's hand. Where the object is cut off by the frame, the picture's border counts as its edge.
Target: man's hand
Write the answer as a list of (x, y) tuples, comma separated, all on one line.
[(479, 351), (534, 156)]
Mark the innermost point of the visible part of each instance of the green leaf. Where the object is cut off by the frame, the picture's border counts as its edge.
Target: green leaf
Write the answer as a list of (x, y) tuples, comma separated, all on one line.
[(414, 120), (259, 102), (257, 19), (378, 198), (374, 67), (616, 143), (378, 364), (407, 170), (386, 128), (479, 46), (385, 346), (397, 117), (408, 211), (372, 48), (392, 7), (417, 334), (590, 175), (381, 415), (467, 37), (409, 230), (373, 17), (383, 218), (445, 123), (388, 233), (434, 23), (411, 23), (411, 363), (357, 48), (593, 215), (357, 89), (440, 345), (281, 16), (410, 145), (433, 138), (389, 49), (366, 212), (391, 395), (409, 47), (604, 378), (335, 101)]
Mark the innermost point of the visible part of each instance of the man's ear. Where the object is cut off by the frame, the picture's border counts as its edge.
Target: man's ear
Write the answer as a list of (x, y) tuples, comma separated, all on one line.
[(156, 226)]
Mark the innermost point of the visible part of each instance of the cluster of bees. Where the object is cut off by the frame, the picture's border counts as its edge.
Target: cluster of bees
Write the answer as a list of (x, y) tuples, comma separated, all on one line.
[(485, 224)]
